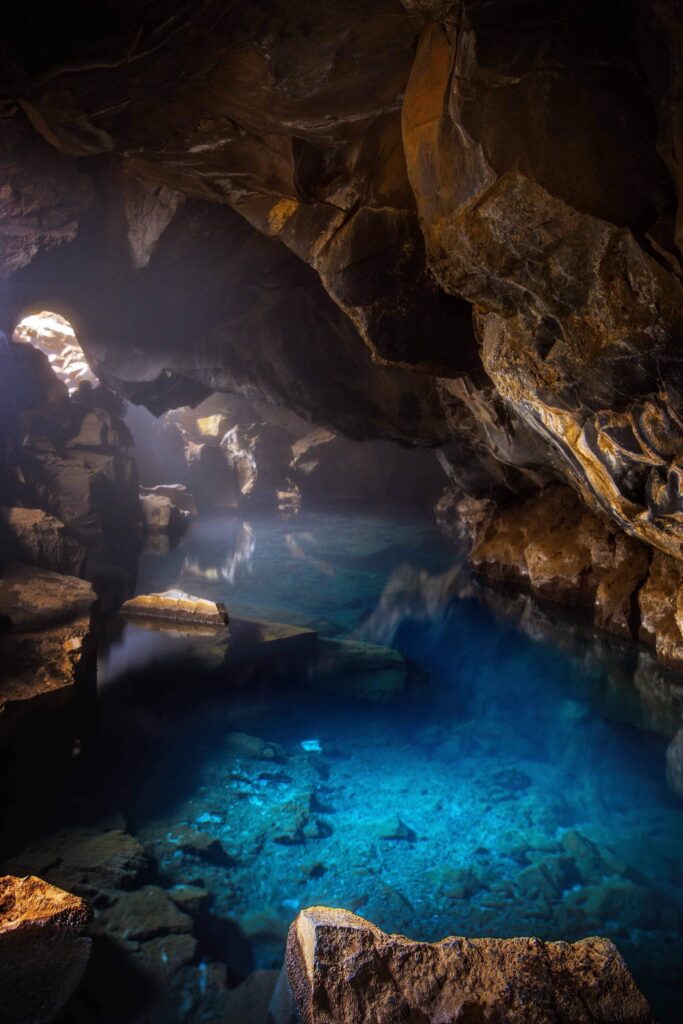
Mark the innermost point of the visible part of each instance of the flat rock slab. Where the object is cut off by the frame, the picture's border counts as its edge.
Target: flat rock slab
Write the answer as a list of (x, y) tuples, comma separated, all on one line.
[(176, 607), (33, 597), (43, 949), (340, 969), (260, 637)]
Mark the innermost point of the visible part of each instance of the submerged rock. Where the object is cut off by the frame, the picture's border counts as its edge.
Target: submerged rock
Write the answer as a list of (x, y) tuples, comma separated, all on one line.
[(175, 606), (361, 670), (341, 969), (43, 949)]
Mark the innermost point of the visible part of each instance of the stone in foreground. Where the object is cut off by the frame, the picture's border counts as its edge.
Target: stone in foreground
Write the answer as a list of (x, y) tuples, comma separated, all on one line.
[(341, 969), (43, 949), (176, 607)]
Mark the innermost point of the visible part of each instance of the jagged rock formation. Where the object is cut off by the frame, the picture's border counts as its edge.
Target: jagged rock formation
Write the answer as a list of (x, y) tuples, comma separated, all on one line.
[(44, 951), (444, 223), (341, 969)]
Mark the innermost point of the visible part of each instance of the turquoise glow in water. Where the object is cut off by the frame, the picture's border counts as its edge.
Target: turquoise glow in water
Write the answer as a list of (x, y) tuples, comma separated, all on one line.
[(498, 797)]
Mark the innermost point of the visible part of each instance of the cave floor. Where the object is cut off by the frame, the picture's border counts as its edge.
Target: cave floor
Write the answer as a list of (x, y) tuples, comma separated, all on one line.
[(496, 794)]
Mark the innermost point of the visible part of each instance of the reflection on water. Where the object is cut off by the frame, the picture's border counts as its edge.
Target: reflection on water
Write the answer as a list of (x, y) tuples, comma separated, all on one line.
[(239, 552), (514, 793)]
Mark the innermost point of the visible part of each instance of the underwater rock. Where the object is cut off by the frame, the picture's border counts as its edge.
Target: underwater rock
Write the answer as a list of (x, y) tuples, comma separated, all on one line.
[(95, 863), (394, 828), (37, 538), (43, 949), (360, 669), (241, 744), (142, 914), (249, 1002), (341, 969), (176, 607)]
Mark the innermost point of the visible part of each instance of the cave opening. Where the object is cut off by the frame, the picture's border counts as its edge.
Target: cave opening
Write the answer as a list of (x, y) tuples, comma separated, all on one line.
[(53, 335)]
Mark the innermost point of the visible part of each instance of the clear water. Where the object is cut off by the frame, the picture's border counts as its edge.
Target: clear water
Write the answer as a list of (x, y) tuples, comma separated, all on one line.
[(496, 796)]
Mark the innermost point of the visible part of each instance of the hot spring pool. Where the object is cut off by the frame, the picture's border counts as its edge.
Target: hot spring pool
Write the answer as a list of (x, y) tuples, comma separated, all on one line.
[(511, 791)]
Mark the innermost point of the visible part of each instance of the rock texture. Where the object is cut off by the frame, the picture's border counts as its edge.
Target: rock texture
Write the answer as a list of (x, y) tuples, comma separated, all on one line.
[(48, 651), (451, 224), (175, 606), (43, 949), (340, 968)]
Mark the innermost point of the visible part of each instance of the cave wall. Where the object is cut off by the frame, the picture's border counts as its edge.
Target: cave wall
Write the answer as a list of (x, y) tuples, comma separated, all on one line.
[(452, 224)]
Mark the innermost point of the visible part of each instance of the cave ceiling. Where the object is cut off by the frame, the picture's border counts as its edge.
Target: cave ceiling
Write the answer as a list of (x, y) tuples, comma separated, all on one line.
[(453, 224)]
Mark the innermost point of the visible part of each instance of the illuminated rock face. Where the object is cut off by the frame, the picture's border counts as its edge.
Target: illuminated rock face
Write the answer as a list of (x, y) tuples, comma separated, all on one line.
[(341, 969), (451, 224), (43, 948)]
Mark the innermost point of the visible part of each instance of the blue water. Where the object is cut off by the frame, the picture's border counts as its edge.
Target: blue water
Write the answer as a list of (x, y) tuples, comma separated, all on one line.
[(507, 790)]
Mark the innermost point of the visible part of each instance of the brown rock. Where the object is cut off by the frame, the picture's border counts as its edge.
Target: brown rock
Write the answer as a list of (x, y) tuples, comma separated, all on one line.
[(47, 654), (37, 538), (159, 514), (143, 914), (556, 546), (343, 969), (43, 950), (660, 619), (175, 606), (93, 863)]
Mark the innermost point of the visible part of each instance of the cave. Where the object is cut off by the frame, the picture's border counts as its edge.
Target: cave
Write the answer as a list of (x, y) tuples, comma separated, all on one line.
[(341, 512)]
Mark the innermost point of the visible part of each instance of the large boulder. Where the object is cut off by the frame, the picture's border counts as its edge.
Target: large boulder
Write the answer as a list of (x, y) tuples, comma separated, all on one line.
[(43, 948), (341, 969), (47, 653), (33, 536)]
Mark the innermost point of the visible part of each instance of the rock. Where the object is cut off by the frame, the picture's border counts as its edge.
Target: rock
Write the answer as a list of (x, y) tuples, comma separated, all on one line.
[(248, 1003), (201, 845), (659, 601), (37, 538), (242, 745), (191, 899), (210, 477), (394, 828), (159, 514), (48, 653), (93, 492), (143, 914), (361, 670), (98, 428), (34, 597), (177, 494), (553, 544), (341, 968), (96, 864), (176, 607), (213, 428), (43, 949)]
